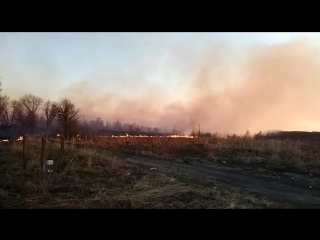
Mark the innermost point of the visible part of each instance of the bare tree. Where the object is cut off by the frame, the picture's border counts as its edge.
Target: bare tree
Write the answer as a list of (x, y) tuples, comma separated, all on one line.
[(41, 121), (9, 112), (30, 106), (21, 116), (4, 102), (50, 110), (68, 116)]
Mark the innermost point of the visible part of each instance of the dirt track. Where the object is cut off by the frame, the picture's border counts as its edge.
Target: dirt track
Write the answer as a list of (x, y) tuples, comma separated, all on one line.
[(284, 187)]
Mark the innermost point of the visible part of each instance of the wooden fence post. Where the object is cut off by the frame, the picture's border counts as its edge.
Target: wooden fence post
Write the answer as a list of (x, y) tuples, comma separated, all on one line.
[(24, 152), (62, 145), (43, 154), (72, 142)]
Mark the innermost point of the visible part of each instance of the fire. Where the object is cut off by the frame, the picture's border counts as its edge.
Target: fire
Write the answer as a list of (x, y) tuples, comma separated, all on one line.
[(7, 140), (58, 135), (20, 138), (180, 136), (148, 136)]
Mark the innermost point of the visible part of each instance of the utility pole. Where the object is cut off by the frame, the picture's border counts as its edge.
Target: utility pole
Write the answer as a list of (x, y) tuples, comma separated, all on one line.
[(199, 131)]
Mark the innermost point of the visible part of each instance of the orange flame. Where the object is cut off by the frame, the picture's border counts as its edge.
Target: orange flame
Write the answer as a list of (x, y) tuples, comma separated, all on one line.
[(7, 140), (20, 138), (144, 136)]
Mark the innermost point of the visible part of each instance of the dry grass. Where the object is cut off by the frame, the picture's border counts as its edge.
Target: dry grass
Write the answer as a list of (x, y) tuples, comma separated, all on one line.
[(84, 178), (274, 154), (292, 155)]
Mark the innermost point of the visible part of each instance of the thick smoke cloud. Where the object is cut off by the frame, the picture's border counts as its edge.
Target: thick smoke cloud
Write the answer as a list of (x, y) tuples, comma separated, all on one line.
[(226, 89)]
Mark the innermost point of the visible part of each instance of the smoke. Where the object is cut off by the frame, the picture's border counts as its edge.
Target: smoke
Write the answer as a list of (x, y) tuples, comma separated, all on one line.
[(224, 88)]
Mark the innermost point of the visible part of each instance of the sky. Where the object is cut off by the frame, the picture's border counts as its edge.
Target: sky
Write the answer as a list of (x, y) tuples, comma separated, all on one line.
[(228, 82)]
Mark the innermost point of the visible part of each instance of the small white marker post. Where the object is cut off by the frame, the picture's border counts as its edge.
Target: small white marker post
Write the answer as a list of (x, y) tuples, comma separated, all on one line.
[(49, 164)]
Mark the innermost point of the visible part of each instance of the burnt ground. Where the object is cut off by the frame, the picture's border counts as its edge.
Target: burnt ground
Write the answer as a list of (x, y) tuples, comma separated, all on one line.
[(298, 189)]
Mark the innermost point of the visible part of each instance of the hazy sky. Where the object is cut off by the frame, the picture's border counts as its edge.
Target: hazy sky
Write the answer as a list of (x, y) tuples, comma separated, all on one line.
[(230, 82)]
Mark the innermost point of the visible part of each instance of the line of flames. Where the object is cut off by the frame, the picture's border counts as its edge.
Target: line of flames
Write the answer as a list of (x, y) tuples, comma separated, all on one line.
[(17, 140), (123, 136), (142, 136)]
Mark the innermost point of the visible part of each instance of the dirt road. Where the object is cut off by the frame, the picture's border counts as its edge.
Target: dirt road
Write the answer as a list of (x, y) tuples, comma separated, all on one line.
[(302, 191)]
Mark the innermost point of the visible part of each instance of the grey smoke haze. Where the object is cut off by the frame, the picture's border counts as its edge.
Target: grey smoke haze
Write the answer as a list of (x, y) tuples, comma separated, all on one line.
[(163, 80), (225, 89)]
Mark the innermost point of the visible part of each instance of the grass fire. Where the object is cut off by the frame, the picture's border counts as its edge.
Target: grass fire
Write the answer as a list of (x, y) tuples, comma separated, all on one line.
[(165, 121)]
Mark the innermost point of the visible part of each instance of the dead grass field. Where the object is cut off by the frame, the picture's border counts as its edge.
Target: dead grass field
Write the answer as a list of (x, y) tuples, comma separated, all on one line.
[(85, 178), (270, 154)]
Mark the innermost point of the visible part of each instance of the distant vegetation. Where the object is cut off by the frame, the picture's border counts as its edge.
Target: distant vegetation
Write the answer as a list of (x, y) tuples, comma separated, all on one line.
[(33, 115)]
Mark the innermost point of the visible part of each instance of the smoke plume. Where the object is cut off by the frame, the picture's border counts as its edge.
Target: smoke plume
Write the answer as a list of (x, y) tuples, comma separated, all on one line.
[(224, 88)]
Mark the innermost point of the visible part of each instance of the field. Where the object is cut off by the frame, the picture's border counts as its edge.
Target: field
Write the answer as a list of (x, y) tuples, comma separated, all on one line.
[(270, 154), (117, 172)]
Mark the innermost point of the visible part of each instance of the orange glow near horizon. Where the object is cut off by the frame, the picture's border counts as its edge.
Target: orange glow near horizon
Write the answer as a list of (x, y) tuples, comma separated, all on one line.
[(147, 136)]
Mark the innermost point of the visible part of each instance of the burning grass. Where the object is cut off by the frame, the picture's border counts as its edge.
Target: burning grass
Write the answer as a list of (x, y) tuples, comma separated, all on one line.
[(86, 178)]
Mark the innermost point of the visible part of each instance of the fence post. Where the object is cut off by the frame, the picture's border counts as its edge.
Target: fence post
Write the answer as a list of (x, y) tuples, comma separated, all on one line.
[(72, 142), (62, 145), (43, 154), (24, 152)]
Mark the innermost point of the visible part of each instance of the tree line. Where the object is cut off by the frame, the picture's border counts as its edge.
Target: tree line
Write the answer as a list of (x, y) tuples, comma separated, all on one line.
[(29, 109), (30, 112)]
